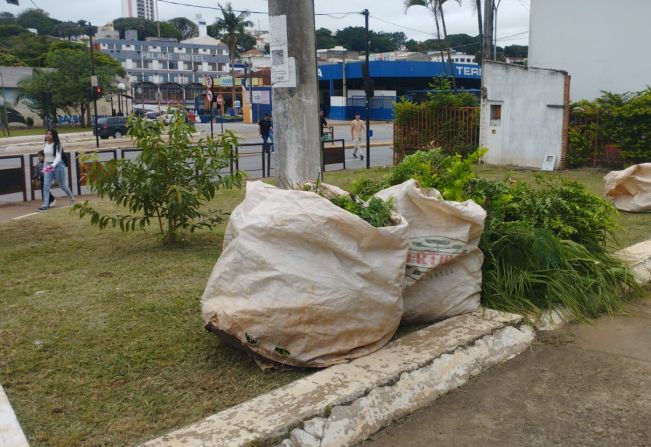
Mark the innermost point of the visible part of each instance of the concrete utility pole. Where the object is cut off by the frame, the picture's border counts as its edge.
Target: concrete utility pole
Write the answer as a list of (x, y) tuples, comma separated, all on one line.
[(487, 45), (295, 91)]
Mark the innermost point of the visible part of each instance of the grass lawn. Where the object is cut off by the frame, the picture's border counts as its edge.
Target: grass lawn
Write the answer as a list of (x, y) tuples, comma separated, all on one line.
[(101, 337), (40, 131)]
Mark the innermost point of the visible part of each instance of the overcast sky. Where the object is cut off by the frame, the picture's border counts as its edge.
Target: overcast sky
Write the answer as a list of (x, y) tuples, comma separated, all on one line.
[(417, 23)]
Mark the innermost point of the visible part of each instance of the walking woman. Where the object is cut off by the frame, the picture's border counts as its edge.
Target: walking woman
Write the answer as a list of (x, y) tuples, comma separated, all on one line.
[(54, 168)]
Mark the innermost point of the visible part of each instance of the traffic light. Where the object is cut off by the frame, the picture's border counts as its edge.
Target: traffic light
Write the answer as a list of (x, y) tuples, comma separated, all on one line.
[(97, 92)]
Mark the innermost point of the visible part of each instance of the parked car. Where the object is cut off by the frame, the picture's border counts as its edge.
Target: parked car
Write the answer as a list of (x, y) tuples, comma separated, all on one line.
[(113, 126)]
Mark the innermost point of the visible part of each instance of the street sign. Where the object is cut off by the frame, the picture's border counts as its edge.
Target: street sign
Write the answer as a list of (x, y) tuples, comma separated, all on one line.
[(220, 99), (209, 96), (93, 81)]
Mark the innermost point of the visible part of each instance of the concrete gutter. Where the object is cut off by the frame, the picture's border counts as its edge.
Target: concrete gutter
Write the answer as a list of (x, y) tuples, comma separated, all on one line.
[(11, 435), (344, 404)]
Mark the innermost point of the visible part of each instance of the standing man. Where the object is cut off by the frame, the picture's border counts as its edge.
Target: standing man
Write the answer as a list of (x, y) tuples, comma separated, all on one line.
[(265, 125), (323, 122), (357, 131)]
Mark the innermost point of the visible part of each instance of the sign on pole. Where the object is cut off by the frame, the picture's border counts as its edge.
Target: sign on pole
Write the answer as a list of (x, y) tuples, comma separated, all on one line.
[(93, 81)]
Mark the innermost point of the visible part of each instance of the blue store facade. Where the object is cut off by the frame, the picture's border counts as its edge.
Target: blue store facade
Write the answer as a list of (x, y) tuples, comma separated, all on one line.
[(392, 80)]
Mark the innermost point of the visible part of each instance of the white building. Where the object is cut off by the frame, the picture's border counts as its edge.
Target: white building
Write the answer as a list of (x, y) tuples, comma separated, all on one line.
[(456, 56), (145, 9), (600, 43), (107, 32), (524, 113)]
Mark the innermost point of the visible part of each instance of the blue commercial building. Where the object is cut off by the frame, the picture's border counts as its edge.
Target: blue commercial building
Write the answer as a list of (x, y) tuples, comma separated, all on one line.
[(391, 79)]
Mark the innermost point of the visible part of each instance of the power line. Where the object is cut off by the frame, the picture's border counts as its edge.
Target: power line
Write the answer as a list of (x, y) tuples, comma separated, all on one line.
[(402, 26), (217, 8)]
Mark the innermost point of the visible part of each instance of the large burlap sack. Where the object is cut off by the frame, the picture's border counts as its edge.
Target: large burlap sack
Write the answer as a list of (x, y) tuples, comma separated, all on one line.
[(302, 282), (630, 189), (443, 274)]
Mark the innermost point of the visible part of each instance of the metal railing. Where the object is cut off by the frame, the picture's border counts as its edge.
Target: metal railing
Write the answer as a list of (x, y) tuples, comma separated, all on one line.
[(454, 129), (333, 154), (18, 178), (12, 179)]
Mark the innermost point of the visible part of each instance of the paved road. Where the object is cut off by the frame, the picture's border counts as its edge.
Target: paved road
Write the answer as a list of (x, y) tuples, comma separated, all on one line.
[(249, 132), (589, 385)]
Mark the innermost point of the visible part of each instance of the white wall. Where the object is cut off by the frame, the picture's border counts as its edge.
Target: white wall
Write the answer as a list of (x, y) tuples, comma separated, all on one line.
[(602, 44), (529, 128)]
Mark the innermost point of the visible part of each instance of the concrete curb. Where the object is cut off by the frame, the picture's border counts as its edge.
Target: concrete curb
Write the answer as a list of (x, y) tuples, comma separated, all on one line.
[(11, 435), (344, 404)]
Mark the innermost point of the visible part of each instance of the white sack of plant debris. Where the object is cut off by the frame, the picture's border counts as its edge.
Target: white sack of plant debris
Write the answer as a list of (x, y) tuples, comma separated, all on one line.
[(630, 189), (443, 273), (302, 282)]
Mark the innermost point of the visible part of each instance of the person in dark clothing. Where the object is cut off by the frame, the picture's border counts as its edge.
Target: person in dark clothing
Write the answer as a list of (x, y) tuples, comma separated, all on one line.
[(323, 122), (37, 175), (266, 125)]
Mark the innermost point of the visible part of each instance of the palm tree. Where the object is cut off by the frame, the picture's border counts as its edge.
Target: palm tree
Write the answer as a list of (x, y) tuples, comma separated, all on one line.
[(230, 26), (436, 6)]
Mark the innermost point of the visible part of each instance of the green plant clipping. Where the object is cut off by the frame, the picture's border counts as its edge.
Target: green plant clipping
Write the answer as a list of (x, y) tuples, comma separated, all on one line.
[(168, 184), (376, 211)]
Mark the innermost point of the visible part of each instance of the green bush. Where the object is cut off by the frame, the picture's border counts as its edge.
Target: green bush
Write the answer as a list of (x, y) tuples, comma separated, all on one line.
[(543, 245), (623, 120), (29, 121), (169, 183)]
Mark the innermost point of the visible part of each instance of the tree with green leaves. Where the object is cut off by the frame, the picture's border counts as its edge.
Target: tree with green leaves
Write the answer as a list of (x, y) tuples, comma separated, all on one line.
[(186, 27), (29, 48), (11, 30), (38, 19), (7, 18), (231, 25), (325, 39), (68, 30), (68, 85), (9, 60), (169, 184), (38, 93)]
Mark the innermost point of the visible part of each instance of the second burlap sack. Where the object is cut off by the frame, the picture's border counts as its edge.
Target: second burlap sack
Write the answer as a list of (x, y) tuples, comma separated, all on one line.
[(443, 274)]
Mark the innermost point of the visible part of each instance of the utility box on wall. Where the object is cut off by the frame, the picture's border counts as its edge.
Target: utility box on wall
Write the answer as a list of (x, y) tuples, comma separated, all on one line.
[(524, 115)]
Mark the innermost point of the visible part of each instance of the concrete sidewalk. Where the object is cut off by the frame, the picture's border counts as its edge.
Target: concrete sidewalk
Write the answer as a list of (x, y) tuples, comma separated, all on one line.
[(586, 385)]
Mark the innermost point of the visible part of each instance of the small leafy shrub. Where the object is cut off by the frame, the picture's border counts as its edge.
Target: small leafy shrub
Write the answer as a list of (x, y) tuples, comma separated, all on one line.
[(450, 175), (169, 183), (567, 209), (29, 121)]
